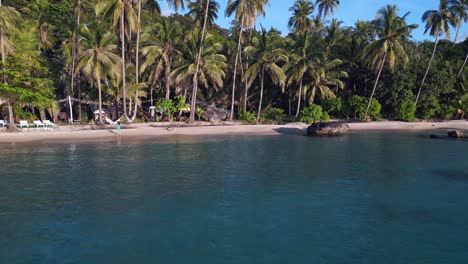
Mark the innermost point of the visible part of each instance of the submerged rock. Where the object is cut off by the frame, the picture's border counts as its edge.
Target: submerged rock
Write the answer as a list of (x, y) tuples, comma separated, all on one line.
[(327, 129), (456, 134)]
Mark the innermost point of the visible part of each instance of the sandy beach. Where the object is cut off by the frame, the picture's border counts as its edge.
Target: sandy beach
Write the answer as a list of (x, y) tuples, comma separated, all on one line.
[(144, 131)]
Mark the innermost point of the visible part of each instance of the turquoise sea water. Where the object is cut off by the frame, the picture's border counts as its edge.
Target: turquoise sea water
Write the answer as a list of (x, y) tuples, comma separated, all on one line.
[(360, 198)]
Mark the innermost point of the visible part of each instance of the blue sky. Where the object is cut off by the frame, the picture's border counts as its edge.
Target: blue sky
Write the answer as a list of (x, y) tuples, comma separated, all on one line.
[(277, 14)]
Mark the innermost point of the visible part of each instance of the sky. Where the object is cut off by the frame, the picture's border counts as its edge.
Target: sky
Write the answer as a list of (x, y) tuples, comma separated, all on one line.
[(349, 11)]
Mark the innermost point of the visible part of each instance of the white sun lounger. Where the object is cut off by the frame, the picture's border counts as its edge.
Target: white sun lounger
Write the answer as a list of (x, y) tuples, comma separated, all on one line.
[(3, 123), (38, 123), (23, 123), (47, 123)]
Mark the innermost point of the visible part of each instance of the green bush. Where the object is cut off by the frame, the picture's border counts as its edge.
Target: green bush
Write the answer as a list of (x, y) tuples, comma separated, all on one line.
[(447, 111), (248, 117), (166, 108), (405, 111), (312, 114), (273, 114), (463, 106), (356, 107), (20, 114), (429, 107), (333, 106)]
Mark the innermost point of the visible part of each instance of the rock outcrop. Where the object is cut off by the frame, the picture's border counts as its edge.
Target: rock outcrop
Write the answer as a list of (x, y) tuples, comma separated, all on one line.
[(327, 129), (213, 114), (456, 134)]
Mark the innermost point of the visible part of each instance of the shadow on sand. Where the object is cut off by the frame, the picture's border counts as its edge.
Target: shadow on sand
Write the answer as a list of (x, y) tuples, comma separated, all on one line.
[(291, 131)]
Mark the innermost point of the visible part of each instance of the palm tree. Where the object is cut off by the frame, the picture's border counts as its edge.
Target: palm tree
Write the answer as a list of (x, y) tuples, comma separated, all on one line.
[(327, 7), (459, 9), (39, 10), (159, 55), (267, 57), (437, 23), (98, 61), (177, 4), (300, 62), (123, 11), (324, 75), (8, 17), (392, 31), (197, 11), (246, 13), (301, 21), (193, 104), (212, 62)]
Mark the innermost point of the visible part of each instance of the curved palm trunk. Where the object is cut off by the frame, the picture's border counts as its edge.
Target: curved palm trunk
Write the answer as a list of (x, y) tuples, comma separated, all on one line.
[(122, 40), (193, 104), (235, 73), (463, 66), (11, 118), (100, 101), (428, 68), (375, 85), (262, 79), (456, 35), (168, 85), (299, 101), (137, 59)]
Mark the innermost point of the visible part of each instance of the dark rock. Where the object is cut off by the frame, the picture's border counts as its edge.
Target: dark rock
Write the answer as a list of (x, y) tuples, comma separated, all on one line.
[(327, 129), (213, 114), (436, 137), (456, 134)]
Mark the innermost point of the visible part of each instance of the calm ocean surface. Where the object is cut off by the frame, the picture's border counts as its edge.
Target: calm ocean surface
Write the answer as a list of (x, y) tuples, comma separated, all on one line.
[(360, 198)]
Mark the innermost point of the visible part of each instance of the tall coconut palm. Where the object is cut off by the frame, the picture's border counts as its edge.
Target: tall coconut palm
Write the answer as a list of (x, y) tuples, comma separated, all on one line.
[(392, 31), (163, 39), (459, 9), (301, 61), (8, 17), (267, 56), (323, 77), (437, 23), (246, 13), (98, 61), (197, 11), (327, 7), (300, 21), (212, 62), (177, 4), (121, 11), (39, 10), (193, 104)]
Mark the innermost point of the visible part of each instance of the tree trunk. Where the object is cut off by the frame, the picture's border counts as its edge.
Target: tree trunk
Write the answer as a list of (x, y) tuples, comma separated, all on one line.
[(122, 40), (262, 76), (289, 102), (168, 85), (463, 66), (137, 59), (299, 101), (100, 102), (428, 68), (456, 35), (375, 85), (235, 73), (193, 105), (11, 118), (79, 102)]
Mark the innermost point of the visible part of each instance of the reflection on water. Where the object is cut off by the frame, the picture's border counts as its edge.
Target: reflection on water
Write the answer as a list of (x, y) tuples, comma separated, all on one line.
[(377, 198)]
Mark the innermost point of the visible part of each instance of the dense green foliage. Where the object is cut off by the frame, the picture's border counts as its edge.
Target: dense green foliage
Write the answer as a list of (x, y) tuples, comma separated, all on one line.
[(52, 49)]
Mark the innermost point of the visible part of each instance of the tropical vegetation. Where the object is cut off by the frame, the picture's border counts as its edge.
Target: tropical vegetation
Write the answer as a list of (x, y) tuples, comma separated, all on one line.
[(124, 56)]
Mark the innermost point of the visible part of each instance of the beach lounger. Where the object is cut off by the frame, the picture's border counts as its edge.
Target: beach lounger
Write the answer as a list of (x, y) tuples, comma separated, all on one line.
[(38, 123), (23, 123), (47, 123), (3, 123)]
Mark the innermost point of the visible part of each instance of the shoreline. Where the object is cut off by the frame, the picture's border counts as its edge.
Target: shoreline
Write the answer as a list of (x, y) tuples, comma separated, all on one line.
[(68, 134)]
